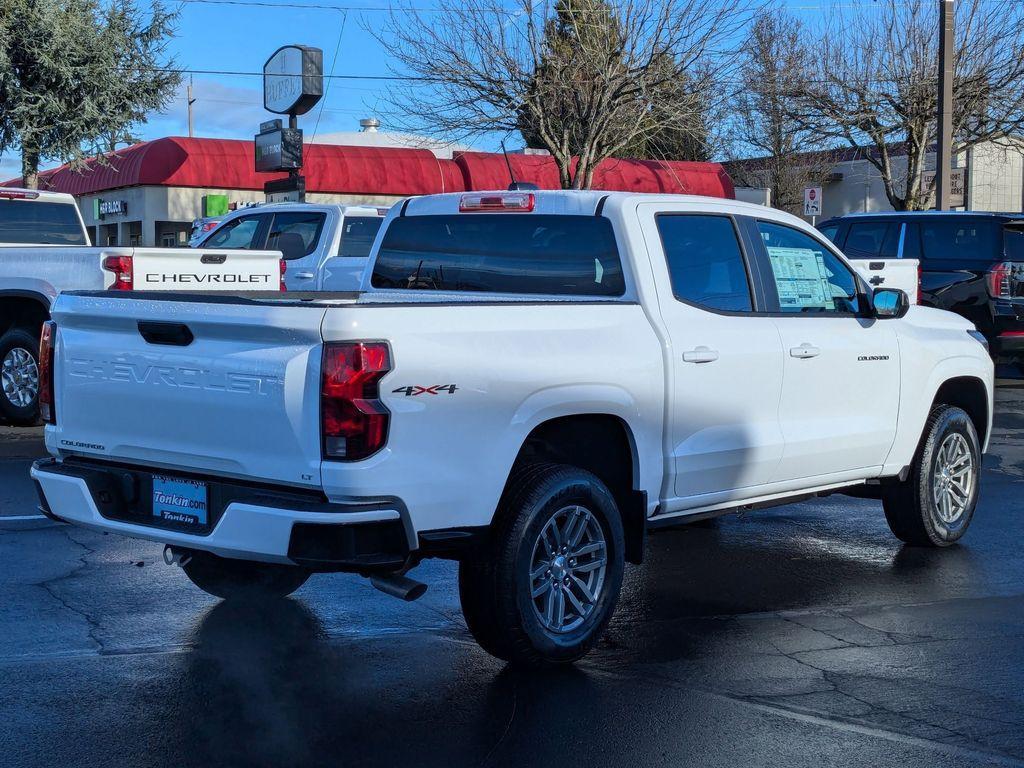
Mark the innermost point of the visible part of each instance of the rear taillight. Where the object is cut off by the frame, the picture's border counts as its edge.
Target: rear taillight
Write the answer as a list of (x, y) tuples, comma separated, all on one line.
[(284, 268), (497, 202), (47, 340), (999, 280), (121, 266), (353, 420)]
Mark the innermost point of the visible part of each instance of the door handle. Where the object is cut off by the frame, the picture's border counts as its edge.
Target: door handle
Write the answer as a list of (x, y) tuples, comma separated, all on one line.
[(700, 355), (804, 351), (305, 275)]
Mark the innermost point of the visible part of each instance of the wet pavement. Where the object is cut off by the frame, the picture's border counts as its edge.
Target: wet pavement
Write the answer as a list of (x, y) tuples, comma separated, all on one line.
[(805, 635)]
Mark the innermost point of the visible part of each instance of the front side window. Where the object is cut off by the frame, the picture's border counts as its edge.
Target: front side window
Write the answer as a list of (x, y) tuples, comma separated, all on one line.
[(358, 234), (237, 233), (830, 231), (704, 260), (809, 278), (865, 239), (295, 234), (517, 253)]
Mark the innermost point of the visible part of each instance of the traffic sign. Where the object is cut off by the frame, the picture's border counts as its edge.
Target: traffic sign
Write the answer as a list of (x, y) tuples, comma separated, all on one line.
[(812, 201)]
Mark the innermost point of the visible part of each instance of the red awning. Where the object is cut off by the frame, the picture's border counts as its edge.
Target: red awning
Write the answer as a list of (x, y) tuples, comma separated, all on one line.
[(333, 169)]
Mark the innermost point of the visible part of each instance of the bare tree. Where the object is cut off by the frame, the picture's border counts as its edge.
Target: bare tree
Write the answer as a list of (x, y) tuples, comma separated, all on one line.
[(479, 68), (787, 155), (875, 80)]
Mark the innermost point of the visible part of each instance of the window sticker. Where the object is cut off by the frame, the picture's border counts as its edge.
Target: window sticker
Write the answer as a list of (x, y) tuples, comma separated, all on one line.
[(801, 278)]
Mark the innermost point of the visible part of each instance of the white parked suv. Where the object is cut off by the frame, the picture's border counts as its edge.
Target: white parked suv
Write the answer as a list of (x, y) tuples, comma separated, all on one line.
[(528, 383)]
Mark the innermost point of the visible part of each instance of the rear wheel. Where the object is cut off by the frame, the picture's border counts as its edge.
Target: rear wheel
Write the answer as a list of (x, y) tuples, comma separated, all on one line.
[(934, 506), (19, 377), (242, 579), (548, 586)]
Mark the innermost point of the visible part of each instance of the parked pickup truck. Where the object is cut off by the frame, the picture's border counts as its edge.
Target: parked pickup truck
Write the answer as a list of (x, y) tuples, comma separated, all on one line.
[(528, 383), (44, 249), (325, 246), (880, 254)]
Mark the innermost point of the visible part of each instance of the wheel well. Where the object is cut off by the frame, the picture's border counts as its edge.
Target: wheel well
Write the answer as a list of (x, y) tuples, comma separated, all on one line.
[(22, 312), (601, 444), (970, 394)]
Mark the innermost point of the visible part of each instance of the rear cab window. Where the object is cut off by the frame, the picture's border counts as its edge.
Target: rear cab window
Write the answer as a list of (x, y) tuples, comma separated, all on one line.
[(532, 254), (31, 222)]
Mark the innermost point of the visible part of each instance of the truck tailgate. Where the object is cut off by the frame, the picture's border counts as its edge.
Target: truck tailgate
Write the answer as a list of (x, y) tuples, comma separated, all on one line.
[(210, 387), (891, 273), (194, 269)]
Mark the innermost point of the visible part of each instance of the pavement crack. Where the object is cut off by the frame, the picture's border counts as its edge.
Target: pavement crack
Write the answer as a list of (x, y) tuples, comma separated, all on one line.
[(50, 586)]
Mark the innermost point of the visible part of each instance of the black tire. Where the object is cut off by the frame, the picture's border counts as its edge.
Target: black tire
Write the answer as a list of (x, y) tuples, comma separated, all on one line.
[(232, 579), (495, 587), (910, 506), (21, 414)]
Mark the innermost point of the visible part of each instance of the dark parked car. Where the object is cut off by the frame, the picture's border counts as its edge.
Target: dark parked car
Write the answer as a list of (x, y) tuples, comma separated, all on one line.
[(971, 263)]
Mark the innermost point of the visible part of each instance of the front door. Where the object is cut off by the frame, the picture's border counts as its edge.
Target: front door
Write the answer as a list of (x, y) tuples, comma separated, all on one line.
[(725, 362), (841, 387)]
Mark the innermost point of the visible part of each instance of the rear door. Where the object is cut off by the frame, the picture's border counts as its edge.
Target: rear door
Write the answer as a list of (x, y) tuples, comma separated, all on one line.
[(841, 388), (725, 361), (296, 234), (225, 387)]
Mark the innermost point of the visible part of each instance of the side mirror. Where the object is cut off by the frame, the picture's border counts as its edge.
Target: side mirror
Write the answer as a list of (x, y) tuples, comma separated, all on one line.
[(890, 303)]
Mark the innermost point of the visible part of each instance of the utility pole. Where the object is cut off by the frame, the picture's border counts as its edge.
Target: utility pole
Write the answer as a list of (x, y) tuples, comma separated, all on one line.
[(191, 101), (943, 154)]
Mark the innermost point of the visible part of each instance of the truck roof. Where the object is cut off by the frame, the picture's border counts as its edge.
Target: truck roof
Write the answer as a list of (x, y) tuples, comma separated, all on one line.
[(41, 195)]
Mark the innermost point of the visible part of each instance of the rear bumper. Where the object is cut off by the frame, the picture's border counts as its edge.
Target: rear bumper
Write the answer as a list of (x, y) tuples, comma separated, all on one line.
[(1008, 322), (261, 525)]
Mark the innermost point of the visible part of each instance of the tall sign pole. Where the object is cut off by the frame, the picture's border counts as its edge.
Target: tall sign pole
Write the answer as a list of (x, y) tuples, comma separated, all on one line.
[(943, 154), (293, 82)]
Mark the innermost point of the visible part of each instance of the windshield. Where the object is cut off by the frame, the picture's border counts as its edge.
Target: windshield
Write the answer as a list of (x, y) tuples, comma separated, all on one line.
[(501, 253), (40, 223)]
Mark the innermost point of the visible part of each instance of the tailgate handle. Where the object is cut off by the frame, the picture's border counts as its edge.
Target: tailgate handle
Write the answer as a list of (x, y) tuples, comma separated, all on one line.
[(213, 258), (167, 334), (876, 265)]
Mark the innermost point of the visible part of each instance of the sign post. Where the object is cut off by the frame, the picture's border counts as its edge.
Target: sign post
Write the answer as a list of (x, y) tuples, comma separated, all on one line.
[(812, 203), (293, 82)]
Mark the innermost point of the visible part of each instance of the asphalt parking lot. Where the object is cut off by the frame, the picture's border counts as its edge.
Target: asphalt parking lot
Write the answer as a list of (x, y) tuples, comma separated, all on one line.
[(800, 636)]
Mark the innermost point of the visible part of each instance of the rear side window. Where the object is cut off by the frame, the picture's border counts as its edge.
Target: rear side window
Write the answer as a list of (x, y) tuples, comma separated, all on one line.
[(960, 240), (704, 261), (357, 235), (40, 223), (501, 253), (289, 229), (237, 233)]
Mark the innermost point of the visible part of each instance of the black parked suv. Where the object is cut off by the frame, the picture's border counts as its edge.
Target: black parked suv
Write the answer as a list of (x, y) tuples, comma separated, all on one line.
[(971, 263)]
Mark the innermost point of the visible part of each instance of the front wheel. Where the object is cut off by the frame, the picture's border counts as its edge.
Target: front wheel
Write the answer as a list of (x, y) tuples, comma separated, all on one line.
[(242, 579), (548, 586), (19, 377), (934, 506)]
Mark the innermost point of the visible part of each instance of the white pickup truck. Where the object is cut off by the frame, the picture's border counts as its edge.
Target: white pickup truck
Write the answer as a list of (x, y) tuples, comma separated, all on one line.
[(44, 249), (325, 246), (529, 383)]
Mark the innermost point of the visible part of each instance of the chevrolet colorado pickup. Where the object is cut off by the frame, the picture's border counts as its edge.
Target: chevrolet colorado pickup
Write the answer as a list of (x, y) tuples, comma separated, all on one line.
[(528, 383), (44, 249)]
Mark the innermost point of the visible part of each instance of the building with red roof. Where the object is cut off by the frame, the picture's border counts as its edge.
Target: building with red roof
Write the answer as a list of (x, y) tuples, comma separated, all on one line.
[(157, 188)]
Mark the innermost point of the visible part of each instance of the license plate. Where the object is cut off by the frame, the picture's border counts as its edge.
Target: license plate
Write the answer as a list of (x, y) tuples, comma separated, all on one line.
[(179, 501)]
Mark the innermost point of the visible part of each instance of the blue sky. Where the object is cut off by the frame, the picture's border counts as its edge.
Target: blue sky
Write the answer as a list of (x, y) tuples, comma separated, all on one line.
[(240, 38)]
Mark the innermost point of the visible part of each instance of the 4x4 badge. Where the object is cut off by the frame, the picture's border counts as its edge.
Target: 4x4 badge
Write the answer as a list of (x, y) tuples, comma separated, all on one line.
[(436, 389)]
